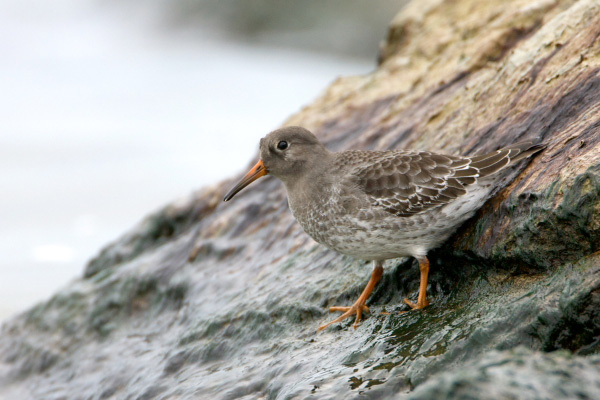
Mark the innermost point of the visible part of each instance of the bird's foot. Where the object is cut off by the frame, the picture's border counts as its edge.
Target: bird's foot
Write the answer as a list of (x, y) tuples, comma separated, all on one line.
[(357, 308), (418, 305), (360, 305)]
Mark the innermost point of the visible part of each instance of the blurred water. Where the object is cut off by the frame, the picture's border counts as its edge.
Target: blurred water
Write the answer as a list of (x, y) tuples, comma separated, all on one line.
[(105, 118)]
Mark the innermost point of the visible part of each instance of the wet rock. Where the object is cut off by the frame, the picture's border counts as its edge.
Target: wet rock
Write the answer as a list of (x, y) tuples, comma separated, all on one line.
[(518, 374), (211, 300)]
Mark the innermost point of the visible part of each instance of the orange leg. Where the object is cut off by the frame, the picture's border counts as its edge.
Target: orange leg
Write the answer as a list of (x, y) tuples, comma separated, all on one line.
[(359, 306), (422, 301)]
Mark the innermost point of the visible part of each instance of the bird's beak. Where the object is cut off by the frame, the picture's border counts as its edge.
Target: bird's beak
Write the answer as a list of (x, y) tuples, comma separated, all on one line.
[(256, 172)]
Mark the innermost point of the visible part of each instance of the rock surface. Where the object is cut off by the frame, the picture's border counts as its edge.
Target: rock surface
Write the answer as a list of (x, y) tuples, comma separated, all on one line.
[(518, 374), (212, 300)]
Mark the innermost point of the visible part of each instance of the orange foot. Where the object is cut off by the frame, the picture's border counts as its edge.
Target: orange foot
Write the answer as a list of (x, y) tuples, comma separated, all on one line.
[(360, 305), (417, 305), (357, 308)]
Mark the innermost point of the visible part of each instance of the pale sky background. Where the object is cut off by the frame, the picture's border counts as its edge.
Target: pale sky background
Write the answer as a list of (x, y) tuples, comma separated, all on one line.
[(105, 119)]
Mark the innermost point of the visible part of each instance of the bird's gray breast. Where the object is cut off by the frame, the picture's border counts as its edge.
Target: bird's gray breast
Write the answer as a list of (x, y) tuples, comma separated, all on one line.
[(338, 219), (318, 213)]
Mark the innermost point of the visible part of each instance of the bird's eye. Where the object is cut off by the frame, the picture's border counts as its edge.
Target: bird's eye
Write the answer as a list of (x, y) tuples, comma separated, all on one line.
[(282, 145)]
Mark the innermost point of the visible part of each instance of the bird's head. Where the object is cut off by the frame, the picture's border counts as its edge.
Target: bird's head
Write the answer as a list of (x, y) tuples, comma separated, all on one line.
[(285, 153)]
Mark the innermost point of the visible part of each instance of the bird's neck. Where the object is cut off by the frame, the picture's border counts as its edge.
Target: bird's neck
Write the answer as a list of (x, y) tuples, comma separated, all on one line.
[(304, 188)]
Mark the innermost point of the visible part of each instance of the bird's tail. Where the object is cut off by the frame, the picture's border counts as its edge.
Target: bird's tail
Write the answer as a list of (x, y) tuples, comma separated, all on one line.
[(490, 163)]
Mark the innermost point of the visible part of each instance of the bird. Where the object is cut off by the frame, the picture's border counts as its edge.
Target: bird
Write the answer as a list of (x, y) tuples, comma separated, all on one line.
[(379, 205)]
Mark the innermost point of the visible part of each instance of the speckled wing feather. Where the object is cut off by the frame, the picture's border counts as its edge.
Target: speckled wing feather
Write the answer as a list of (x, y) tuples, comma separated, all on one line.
[(405, 183)]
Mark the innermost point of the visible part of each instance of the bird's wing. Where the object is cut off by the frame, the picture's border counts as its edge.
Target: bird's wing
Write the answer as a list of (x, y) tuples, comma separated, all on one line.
[(405, 183)]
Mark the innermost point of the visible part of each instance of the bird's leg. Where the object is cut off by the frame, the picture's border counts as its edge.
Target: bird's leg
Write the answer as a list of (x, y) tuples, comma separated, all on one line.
[(360, 305), (422, 301)]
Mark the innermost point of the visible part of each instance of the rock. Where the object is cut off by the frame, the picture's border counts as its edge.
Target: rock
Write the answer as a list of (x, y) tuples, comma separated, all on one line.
[(518, 374), (211, 300)]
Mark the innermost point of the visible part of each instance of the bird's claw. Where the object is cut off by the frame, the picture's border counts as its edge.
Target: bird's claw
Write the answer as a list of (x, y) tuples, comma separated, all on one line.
[(417, 305), (357, 308)]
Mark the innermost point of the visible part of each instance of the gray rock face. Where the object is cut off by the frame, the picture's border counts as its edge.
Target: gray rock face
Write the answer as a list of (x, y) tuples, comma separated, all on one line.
[(211, 300), (518, 374)]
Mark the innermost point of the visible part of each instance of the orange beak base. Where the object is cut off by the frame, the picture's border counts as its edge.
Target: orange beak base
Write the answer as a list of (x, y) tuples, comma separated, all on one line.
[(256, 172)]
